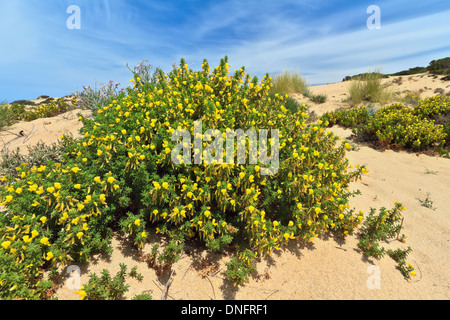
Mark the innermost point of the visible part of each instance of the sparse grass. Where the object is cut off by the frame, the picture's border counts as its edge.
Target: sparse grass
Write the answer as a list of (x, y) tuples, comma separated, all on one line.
[(289, 82), (369, 88)]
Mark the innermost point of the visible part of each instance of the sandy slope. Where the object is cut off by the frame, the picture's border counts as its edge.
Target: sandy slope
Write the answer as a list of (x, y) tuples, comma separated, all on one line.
[(423, 85), (330, 268)]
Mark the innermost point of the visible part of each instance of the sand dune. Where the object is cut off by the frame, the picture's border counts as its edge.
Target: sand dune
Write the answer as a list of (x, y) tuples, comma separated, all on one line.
[(330, 268)]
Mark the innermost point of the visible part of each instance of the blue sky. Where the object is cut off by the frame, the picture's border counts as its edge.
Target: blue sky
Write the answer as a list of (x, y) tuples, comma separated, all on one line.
[(323, 40)]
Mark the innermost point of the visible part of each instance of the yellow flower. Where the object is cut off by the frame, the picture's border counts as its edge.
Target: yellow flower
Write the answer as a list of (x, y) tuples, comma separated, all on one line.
[(6, 244), (50, 189), (97, 179), (257, 168), (76, 169), (27, 239), (43, 219), (156, 185), (9, 198), (137, 222), (80, 206), (49, 256), (207, 214), (88, 199), (341, 216), (165, 185), (290, 224), (19, 190), (81, 293), (111, 180), (80, 234), (34, 233), (251, 209), (44, 241), (242, 175), (77, 186), (103, 198), (99, 152), (143, 234)]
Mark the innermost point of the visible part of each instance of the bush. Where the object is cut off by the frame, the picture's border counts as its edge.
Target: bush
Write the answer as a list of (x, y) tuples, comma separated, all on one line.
[(432, 107), (121, 176), (397, 125), (349, 118)]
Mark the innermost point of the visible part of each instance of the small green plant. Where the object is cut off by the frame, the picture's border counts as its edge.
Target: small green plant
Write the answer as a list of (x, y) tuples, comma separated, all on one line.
[(238, 270), (385, 225), (135, 274), (399, 256), (105, 287), (427, 202), (143, 296), (431, 172)]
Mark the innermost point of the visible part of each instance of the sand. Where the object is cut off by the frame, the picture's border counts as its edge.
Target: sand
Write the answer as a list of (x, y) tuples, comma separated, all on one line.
[(330, 267)]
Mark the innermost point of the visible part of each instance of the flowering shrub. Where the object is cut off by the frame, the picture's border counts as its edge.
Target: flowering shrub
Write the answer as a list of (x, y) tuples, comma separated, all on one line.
[(397, 125), (349, 118), (433, 106), (121, 174), (11, 113), (49, 110)]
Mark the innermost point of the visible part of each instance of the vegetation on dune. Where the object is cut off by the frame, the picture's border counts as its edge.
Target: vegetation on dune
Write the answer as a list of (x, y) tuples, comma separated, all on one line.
[(423, 127), (64, 204)]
